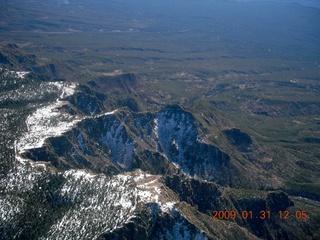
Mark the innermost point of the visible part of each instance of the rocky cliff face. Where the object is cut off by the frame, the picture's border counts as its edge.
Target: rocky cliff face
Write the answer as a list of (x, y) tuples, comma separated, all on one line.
[(78, 164), (114, 140)]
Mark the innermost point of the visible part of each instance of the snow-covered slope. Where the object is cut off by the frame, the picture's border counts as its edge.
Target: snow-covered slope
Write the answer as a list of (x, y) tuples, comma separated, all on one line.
[(77, 165), (119, 137), (87, 204), (180, 141), (103, 204), (48, 121)]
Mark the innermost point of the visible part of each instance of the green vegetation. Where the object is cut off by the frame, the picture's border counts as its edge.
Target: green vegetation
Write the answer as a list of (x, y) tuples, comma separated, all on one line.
[(157, 41), (248, 66)]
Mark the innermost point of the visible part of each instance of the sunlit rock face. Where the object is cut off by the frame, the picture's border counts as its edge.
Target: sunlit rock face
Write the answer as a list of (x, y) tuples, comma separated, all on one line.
[(112, 135), (179, 139)]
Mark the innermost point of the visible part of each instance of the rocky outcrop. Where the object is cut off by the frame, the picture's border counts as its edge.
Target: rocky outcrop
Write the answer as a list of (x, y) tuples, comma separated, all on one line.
[(278, 201), (119, 137), (87, 166), (13, 58), (88, 102), (204, 196), (239, 139)]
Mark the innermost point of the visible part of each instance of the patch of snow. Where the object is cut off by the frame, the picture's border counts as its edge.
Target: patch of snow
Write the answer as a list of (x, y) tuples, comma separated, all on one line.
[(155, 129), (23, 175), (20, 74), (81, 143), (149, 191), (102, 204), (79, 174), (47, 121), (9, 208), (16, 74), (175, 144), (119, 143), (114, 73), (141, 175), (107, 113), (19, 180), (167, 207)]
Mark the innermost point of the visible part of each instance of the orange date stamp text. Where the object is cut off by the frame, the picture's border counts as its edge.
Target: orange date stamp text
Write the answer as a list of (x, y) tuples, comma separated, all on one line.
[(262, 214)]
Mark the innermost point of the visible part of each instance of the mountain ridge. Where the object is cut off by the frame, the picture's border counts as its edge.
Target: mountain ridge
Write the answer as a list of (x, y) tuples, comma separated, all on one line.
[(113, 155)]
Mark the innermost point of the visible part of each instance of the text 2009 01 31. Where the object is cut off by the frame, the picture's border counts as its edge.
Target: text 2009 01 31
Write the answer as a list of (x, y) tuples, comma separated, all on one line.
[(262, 214)]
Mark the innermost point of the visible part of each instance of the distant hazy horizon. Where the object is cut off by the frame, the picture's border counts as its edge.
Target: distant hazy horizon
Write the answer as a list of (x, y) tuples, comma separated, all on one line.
[(311, 3)]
